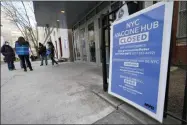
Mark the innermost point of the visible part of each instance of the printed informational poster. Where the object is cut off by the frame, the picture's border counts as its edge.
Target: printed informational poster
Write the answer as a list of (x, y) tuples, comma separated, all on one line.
[(139, 56), (65, 43)]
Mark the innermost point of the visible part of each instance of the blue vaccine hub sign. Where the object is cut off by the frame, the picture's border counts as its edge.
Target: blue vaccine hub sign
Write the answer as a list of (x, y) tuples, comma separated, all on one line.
[(139, 58)]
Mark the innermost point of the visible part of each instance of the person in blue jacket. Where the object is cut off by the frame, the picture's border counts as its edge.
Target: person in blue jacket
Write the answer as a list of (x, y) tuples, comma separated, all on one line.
[(22, 50)]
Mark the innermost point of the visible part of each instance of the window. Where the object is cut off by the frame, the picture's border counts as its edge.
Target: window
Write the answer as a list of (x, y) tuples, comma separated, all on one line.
[(105, 22), (91, 40), (182, 23)]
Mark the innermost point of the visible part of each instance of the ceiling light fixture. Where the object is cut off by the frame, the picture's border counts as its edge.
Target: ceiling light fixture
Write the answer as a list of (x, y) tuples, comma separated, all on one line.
[(62, 11)]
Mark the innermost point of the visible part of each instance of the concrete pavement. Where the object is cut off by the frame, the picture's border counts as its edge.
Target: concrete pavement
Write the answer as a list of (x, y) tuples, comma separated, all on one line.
[(117, 117), (52, 94), (66, 94)]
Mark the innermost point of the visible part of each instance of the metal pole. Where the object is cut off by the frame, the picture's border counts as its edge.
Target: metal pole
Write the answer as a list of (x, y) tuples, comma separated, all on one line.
[(74, 58), (105, 84), (108, 22), (184, 113), (167, 82), (168, 73)]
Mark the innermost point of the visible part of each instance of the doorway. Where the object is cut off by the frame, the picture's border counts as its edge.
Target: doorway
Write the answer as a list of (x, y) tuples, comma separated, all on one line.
[(83, 44), (91, 41), (77, 46), (60, 44)]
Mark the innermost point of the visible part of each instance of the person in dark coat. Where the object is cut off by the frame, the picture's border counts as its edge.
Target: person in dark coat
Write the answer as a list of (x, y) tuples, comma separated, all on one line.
[(22, 50), (51, 52), (92, 51), (9, 54), (42, 52)]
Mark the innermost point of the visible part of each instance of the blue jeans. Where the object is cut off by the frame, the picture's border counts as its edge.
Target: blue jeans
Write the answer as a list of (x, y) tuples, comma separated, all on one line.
[(43, 57), (11, 65)]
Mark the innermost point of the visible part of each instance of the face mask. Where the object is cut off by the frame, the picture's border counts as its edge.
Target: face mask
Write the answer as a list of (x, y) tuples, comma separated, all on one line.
[(6, 43)]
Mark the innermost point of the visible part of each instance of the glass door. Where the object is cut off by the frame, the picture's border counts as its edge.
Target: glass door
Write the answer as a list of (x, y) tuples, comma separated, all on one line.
[(83, 44), (76, 46), (91, 41)]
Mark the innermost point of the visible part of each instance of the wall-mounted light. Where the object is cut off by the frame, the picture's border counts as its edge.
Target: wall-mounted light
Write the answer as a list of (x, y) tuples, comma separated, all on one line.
[(62, 11), (57, 20)]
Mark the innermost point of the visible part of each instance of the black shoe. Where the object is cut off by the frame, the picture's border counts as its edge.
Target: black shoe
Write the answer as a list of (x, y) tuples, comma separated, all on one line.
[(31, 69), (41, 65), (25, 70)]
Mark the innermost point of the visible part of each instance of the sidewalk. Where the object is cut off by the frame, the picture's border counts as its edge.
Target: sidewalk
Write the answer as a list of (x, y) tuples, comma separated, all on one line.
[(66, 94), (52, 94), (129, 112)]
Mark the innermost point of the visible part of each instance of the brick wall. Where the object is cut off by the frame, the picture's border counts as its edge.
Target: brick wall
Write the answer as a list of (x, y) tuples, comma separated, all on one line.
[(181, 52), (179, 46)]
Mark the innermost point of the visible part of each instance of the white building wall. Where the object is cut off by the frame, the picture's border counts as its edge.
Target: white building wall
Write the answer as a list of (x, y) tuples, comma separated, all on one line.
[(148, 3), (2, 42), (53, 39), (56, 36), (63, 34), (66, 43), (41, 34)]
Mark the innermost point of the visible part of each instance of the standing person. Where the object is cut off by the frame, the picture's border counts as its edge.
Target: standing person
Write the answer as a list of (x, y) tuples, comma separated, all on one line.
[(9, 54), (92, 51), (51, 52), (22, 65), (22, 50), (42, 52)]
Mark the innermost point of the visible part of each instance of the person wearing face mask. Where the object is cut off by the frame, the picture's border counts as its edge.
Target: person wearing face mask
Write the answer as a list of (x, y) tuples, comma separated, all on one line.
[(9, 54), (42, 52)]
